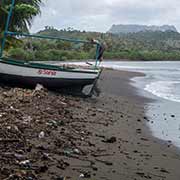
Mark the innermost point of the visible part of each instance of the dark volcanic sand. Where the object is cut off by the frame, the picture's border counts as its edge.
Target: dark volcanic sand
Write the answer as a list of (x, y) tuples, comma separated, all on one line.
[(99, 138)]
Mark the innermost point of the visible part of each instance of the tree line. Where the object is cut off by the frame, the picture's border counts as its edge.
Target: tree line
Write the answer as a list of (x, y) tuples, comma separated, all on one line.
[(135, 46), (132, 46)]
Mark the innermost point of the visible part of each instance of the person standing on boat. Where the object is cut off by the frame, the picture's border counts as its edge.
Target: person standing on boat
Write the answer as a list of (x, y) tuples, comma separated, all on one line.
[(102, 48)]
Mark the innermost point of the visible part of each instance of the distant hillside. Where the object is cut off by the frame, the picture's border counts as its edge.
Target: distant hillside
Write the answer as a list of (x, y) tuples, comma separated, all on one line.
[(147, 40), (116, 29), (147, 45)]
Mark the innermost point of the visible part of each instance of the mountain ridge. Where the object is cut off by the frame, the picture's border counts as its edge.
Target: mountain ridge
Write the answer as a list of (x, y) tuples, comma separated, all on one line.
[(134, 28)]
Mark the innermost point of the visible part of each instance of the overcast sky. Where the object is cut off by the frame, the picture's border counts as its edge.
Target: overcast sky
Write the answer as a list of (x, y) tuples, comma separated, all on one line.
[(100, 15)]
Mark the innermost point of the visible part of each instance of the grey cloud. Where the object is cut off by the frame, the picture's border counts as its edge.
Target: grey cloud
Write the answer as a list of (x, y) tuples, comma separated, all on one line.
[(99, 15)]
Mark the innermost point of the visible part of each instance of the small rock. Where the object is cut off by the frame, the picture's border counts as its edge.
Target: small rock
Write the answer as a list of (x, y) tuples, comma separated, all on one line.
[(100, 110), (110, 140), (141, 174), (26, 163), (42, 169), (135, 151), (138, 131), (85, 175), (41, 135), (81, 175), (39, 87), (164, 171), (94, 168), (76, 151)]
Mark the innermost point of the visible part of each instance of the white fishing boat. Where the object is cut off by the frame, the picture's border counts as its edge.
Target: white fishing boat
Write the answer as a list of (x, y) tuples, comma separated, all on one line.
[(29, 74)]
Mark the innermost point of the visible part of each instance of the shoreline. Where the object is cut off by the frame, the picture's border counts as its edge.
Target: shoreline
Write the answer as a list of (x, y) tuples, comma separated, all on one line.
[(136, 60), (105, 137), (157, 145), (125, 60), (105, 60)]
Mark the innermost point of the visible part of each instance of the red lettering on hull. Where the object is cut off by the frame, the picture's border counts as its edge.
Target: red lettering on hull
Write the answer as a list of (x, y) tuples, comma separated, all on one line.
[(46, 72)]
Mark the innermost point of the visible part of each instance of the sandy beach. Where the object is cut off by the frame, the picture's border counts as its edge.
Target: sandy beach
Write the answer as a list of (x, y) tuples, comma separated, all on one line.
[(51, 136)]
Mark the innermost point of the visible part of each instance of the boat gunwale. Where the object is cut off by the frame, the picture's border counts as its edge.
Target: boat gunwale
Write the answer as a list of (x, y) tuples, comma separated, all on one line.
[(47, 66)]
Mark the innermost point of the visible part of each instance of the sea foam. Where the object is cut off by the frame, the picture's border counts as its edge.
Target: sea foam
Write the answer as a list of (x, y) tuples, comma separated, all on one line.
[(165, 89)]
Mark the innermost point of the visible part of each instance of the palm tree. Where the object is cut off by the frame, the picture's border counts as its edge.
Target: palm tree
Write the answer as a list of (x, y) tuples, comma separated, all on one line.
[(23, 13)]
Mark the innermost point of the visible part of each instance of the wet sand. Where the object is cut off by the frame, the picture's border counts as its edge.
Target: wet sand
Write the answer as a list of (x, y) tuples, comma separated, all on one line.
[(65, 137)]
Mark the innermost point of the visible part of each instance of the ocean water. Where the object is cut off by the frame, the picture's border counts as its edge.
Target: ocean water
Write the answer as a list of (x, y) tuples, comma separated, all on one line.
[(162, 78)]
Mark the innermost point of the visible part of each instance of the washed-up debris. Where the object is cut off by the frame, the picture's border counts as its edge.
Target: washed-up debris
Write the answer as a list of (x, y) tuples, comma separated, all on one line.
[(81, 175), (60, 178), (100, 110), (42, 169), (52, 123), (2, 114), (69, 151), (46, 156), (108, 163), (41, 135), (76, 151), (39, 87), (138, 131), (14, 155), (85, 175), (63, 103), (164, 171), (27, 119), (110, 140), (19, 156), (101, 155), (21, 174), (62, 164), (25, 164), (144, 139)]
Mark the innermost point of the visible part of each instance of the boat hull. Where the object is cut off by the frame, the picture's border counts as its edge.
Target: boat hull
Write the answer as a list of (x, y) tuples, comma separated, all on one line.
[(52, 77), (50, 83)]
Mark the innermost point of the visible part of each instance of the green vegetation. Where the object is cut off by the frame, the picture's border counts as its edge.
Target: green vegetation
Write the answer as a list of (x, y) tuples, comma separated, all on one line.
[(44, 50), (146, 45), (132, 46), (23, 13)]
